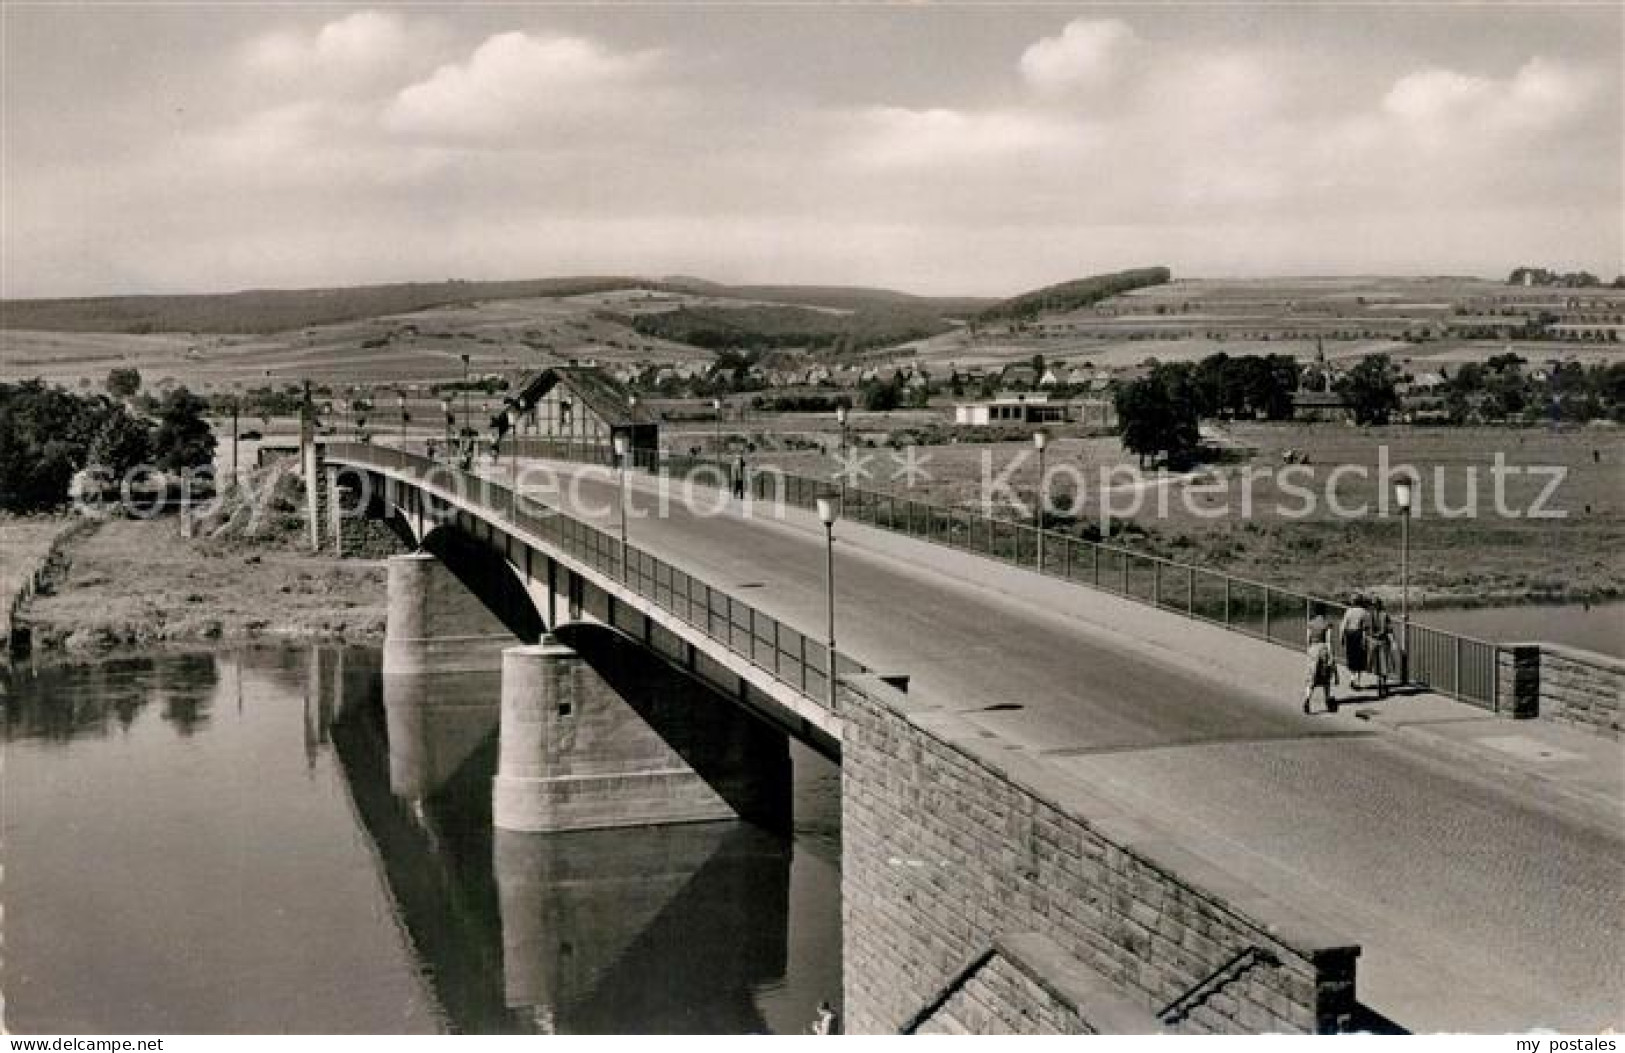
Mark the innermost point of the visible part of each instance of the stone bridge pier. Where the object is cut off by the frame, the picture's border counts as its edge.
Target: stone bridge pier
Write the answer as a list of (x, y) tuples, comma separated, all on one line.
[(603, 734), (595, 730)]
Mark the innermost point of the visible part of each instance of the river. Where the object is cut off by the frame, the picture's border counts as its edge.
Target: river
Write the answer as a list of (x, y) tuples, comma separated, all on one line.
[(252, 841), (1596, 627)]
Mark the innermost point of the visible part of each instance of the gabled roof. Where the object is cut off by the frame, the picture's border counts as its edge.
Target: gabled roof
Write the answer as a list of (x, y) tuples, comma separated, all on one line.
[(591, 386)]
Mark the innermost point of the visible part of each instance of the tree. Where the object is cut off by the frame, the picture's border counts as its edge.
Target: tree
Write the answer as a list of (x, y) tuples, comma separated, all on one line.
[(881, 395), (123, 442), (1156, 414), (183, 439), (45, 434), (1372, 389), (123, 382)]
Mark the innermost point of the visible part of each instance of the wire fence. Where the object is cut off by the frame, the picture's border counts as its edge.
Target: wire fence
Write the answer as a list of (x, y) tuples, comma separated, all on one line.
[(1460, 666), (789, 656)]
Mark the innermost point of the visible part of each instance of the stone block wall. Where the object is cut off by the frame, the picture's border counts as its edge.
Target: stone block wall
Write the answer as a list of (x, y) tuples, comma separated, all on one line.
[(1581, 688), (1565, 684), (952, 841)]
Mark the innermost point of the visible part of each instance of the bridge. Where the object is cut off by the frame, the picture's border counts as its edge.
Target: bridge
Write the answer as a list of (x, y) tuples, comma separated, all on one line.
[(1061, 810)]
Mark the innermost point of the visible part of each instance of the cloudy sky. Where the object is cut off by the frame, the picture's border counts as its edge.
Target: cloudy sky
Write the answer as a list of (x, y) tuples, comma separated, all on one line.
[(946, 149)]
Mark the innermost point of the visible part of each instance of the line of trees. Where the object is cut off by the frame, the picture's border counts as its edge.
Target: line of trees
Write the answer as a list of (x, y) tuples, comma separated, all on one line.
[(47, 434), (1158, 414), (1504, 388), (1568, 280)]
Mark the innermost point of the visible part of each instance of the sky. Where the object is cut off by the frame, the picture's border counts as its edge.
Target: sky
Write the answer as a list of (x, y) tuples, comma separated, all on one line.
[(972, 149)]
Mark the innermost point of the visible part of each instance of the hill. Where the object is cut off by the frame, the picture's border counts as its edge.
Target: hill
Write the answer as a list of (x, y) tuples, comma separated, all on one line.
[(1071, 295), (784, 326), (277, 310), (262, 311)]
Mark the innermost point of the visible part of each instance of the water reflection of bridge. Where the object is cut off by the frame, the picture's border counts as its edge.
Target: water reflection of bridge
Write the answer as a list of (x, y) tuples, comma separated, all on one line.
[(668, 929)]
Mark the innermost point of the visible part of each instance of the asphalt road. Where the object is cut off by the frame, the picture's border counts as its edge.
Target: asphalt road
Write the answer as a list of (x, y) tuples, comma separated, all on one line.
[(1479, 906)]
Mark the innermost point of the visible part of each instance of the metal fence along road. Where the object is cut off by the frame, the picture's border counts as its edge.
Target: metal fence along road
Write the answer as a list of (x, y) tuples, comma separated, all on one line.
[(1460, 666), (789, 656)]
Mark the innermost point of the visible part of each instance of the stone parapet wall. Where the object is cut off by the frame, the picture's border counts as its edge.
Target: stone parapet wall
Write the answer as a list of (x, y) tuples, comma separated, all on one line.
[(1564, 684), (1581, 688), (951, 840)]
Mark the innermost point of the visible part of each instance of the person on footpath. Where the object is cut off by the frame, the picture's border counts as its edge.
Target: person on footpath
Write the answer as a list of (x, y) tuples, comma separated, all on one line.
[(1356, 620), (1322, 668), (1381, 656)]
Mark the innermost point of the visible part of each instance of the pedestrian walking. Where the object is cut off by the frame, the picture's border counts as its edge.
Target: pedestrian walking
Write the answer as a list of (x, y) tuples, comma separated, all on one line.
[(1355, 621), (1381, 657), (1322, 668), (739, 476)]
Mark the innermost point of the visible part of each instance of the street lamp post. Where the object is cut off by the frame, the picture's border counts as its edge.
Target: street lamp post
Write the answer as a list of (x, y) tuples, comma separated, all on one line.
[(826, 515), (1040, 441), (464, 357), (620, 461), (631, 413), (840, 473), (716, 414), (513, 463), (1402, 498)]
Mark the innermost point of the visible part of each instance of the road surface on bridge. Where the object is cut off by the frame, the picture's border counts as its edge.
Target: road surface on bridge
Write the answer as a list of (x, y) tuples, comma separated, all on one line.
[(1480, 905)]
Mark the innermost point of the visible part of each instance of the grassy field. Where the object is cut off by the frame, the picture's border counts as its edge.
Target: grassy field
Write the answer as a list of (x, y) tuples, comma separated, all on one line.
[(419, 348), (137, 584), (1320, 527), (133, 583), (23, 540)]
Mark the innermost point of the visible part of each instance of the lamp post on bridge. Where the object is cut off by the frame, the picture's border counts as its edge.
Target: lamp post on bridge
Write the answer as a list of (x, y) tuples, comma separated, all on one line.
[(840, 467), (512, 413), (1040, 441), (631, 415), (466, 418), (827, 514), (1403, 494), (400, 407), (621, 444)]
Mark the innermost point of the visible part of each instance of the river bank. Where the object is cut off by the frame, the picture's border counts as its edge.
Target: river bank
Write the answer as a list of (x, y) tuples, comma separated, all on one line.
[(134, 584)]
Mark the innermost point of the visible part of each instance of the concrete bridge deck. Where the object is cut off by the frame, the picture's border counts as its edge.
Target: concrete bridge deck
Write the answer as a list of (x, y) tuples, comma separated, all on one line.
[(1483, 900)]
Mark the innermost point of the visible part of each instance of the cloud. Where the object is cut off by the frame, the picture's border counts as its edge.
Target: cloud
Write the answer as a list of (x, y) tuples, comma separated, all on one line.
[(386, 145), (520, 82), (1541, 96), (1086, 56), (353, 55), (947, 139)]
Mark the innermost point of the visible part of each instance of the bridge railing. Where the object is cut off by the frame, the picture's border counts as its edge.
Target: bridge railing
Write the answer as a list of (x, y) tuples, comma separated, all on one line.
[(788, 655), (1462, 667)]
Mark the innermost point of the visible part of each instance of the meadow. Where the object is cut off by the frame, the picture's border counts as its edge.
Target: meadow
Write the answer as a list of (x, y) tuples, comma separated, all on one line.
[(1326, 523)]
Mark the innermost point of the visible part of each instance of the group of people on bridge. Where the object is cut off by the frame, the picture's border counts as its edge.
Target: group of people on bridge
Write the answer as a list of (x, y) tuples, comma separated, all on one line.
[(1369, 648)]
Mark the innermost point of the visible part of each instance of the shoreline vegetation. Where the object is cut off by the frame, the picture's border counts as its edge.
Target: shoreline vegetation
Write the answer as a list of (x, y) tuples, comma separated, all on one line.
[(130, 585)]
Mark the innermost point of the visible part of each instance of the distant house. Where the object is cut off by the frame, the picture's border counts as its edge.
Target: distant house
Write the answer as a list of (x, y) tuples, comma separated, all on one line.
[(1010, 409), (581, 404), (1019, 377), (1321, 406)]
